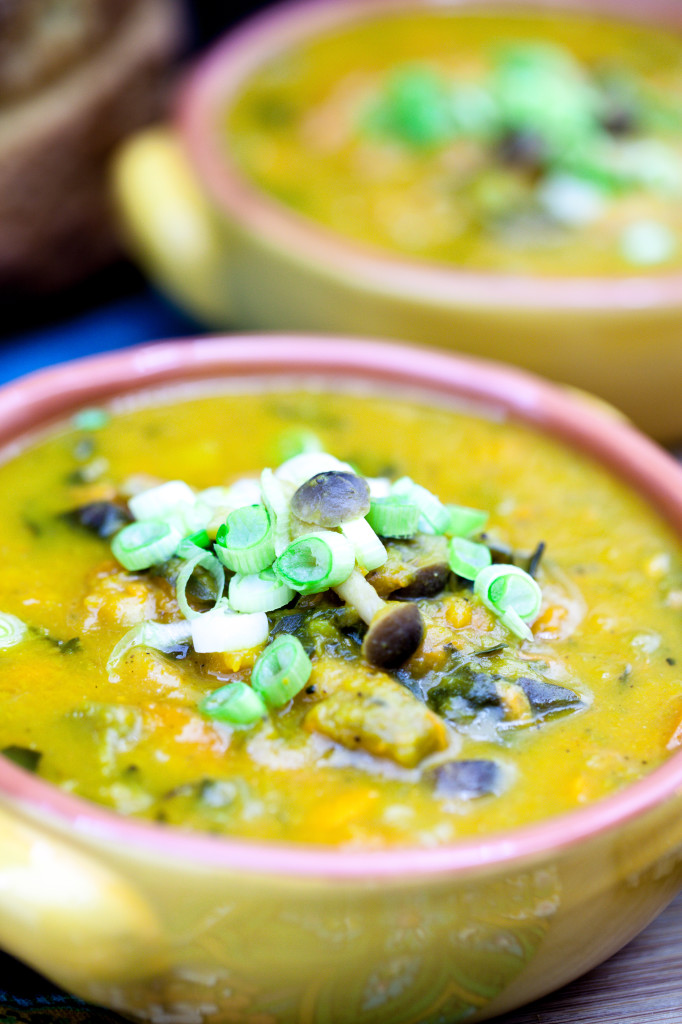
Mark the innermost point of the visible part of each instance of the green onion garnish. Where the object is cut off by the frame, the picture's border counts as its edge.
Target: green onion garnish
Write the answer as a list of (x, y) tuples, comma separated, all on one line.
[(159, 502), (276, 497), (90, 419), (162, 636), (192, 545), (281, 671), (259, 592), (316, 561), (236, 704), (467, 558), (209, 562), (434, 517), (244, 543), (140, 545), (512, 594), (12, 630), (221, 629), (393, 516), (370, 553), (297, 442), (465, 521)]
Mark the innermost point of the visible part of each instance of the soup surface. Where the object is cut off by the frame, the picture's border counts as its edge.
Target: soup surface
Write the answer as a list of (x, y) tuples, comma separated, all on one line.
[(362, 755), (522, 142)]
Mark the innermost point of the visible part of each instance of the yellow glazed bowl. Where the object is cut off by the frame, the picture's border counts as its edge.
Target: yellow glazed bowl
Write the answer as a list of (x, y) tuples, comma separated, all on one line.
[(163, 924), (235, 257)]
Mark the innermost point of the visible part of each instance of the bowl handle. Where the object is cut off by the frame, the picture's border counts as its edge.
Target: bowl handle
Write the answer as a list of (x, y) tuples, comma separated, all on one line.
[(69, 916), (169, 223)]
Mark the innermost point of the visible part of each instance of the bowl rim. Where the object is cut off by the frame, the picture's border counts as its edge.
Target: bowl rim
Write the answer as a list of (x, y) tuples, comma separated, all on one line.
[(218, 76), (38, 400)]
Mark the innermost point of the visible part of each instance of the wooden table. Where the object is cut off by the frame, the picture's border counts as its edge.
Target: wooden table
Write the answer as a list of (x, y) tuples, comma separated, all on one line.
[(640, 985)]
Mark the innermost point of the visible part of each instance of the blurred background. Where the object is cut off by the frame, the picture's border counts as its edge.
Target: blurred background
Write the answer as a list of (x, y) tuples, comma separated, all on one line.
[(65, 288)]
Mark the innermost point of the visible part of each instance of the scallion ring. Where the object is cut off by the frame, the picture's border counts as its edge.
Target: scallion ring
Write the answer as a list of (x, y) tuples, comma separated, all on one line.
[(281, 671), (467, 558), (209, 562), (259, 592), (221, 629), (245, 543), (465, 521), (511, 593), (236, 704), (158, 502), (434, 516), (315, 562), (394, 516), (12, 630), (146, 543), (162, 636)]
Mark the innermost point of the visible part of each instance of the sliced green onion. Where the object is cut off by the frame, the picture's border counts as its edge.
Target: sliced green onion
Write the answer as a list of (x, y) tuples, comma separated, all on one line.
[(276, 496), (244, 543), (212, 565), (243, 492), (434, 517), (259, 592), (281, 671), (297, 442), (379, 486), (465, 521), (190, 546), (236, 704), (162, 636), (370, 553), (511, 593), (467, 558), (140, 545), (297, 470), (393, 516), (158, 502), (513, 621), (12, 630), (316, 561), (221, 629), (90, 419)]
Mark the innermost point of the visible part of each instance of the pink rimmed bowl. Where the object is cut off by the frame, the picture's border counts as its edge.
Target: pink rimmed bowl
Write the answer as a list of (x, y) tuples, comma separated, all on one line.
[(236, 257), (162, 924)]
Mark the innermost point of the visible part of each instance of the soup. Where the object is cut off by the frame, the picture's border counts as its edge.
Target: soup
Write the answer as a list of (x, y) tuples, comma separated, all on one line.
[(555, 684), (545, 143)]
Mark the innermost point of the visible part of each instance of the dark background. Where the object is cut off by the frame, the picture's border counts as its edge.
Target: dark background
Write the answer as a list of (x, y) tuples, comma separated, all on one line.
[(206, 19)]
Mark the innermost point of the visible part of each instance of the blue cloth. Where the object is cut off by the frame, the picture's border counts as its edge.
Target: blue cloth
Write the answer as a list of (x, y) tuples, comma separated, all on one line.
[(119, 324)]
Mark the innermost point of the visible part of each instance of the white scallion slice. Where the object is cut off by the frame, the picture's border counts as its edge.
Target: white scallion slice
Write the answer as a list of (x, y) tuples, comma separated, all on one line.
[(162, 636), (146, 543), (221, 629), (379, 486), (370, 553), (314, 562), (434, 515), (258, 592), (12, 630), (159, 502), (302, 467), (277, 498)]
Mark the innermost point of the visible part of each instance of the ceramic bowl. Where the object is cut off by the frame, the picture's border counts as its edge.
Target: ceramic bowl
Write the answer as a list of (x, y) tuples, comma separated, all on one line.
[(167, 925), (235, 257)]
